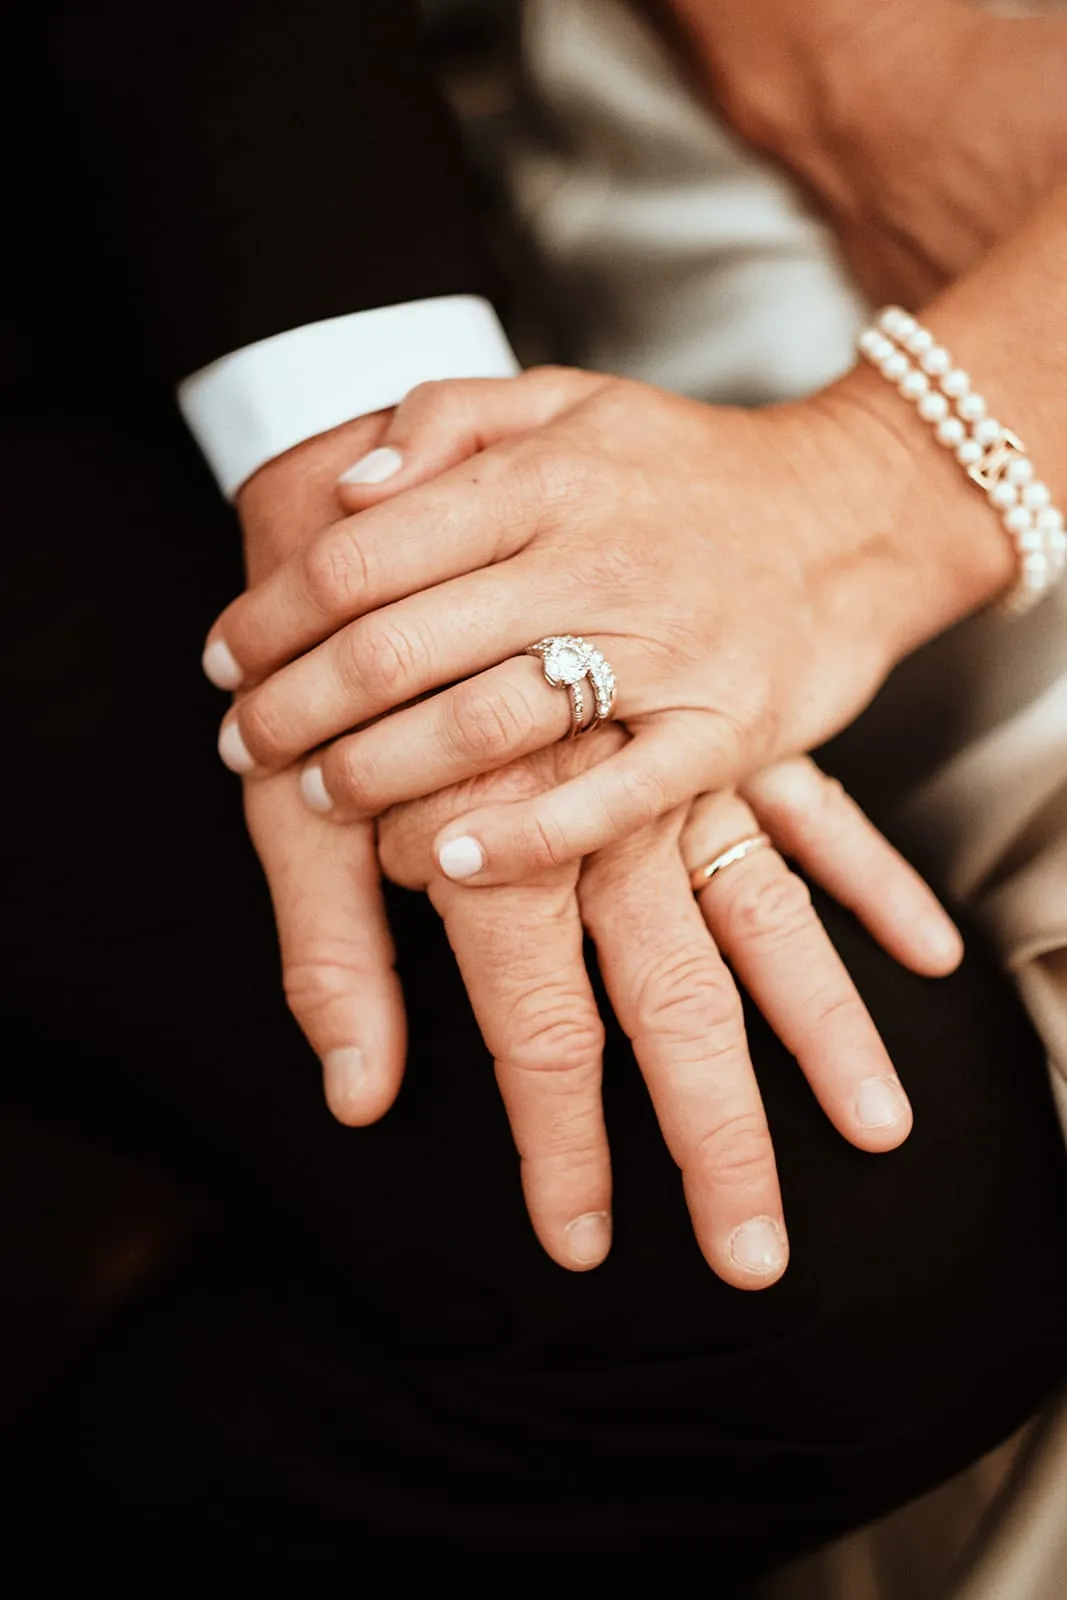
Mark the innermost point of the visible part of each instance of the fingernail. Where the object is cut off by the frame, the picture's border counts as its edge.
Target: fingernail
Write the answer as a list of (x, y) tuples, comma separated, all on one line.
[(758, 1246), (374, 467), (462, 858), (880, 1103), (589, 1238), (344, 1073), (220, 665), (233, 749), (315, 793)]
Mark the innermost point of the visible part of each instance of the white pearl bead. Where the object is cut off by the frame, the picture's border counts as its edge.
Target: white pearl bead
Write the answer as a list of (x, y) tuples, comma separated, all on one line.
[(914, 384), (895, 366), (1057, 541), (933, 407), (1035, 561), (1031, 540), (936, 361), (971, 407), (920, 341), (1036, 495), (1018, 520), (955, 383), (889, 318), (988, 431), (1020, 471), (905, 326), (969, 454), (868, 340), (1003, 495), (951, 431), (1050, 520)]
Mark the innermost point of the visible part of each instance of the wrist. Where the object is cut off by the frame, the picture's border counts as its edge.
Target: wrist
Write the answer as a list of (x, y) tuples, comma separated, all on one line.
[(916, 546)]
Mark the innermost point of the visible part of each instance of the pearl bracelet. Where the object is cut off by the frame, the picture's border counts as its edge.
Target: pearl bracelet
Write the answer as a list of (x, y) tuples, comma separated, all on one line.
[(990, 455)]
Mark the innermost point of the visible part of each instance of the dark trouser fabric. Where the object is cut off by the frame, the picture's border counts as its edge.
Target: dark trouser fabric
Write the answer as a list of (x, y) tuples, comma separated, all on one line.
[(362, 1339)]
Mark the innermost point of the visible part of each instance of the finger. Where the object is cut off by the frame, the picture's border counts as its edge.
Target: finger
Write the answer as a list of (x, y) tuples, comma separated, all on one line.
[(337, 953), (676, 1000), (400, 653), (663, 766), (470, 517), (476, 727), (812, 819), (519, 950), (439, 425), (761, 916)]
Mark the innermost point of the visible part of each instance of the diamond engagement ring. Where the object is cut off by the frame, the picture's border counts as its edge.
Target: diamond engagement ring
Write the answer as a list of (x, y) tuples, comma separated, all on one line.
[(569, 663)]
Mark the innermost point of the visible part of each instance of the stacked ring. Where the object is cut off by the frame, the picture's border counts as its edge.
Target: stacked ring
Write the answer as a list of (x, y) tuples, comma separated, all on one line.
[(568, 663), (702, 876)]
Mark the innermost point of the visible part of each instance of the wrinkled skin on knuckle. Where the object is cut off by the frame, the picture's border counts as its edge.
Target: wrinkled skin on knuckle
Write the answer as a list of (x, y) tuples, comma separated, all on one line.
[(561, 1041), (735, 1153), (485, 726), (312, 985), (773, 910), (349, 779), (689, 998), (382, 660), (264, 722), (335, 571)]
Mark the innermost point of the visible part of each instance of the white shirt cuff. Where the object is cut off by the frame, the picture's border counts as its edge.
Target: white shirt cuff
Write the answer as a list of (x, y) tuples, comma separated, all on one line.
[(248, 407)]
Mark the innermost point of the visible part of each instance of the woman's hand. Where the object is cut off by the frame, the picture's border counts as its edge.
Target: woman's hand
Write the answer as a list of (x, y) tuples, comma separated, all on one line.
[(749, 576)]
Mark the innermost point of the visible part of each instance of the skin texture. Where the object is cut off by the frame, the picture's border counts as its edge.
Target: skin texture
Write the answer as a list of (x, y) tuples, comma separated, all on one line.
[(970, 132), (520, 951)]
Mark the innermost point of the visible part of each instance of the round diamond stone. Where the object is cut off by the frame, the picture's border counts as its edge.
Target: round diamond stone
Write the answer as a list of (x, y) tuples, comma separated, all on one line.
[(566, 663)]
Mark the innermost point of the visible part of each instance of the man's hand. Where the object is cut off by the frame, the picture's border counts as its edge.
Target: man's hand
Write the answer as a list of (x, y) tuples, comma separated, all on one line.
[(325, 883), (926, 129)]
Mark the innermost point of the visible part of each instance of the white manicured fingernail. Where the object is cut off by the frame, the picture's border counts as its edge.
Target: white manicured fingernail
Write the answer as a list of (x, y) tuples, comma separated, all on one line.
[(220, 665), (374, 467), (880, 1103), (344, 1074), (759, 1247), (589, 1238), (461, 858), (315, 793), (233, 749)]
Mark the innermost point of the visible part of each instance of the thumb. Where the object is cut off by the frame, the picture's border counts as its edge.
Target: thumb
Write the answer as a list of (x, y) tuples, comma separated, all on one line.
[(440, 425), (336, 948)]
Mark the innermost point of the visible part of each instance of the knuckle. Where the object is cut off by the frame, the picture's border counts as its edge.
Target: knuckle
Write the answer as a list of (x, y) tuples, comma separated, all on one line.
[(770, 909), (349, 775), (641, 798), (382, 656), (559, 1041), (336, 574), (736, 1151), (264, 727), (690, 997), (432, 397), (314, 984), (489, 726)]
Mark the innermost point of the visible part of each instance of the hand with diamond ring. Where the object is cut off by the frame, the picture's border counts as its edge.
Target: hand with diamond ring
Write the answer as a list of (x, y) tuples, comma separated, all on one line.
[(661, 953)]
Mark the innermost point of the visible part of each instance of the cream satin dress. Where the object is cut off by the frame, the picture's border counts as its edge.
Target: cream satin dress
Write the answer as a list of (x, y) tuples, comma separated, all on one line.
[(671, 253)]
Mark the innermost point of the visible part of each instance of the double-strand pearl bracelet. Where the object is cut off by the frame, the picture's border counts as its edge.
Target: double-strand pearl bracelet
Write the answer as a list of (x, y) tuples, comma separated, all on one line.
[(992, 456)]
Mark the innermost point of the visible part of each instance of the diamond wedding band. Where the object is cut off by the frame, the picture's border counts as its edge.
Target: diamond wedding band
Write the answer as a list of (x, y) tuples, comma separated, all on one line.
[(569, 663)]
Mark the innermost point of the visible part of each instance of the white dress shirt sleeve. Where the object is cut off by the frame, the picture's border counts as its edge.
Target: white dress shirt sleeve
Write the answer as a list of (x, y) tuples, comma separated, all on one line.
[(250, 406)]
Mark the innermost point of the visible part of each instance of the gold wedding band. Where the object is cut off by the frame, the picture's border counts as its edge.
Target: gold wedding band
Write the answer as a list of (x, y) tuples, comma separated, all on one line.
[(568, 662), (727, 858)]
